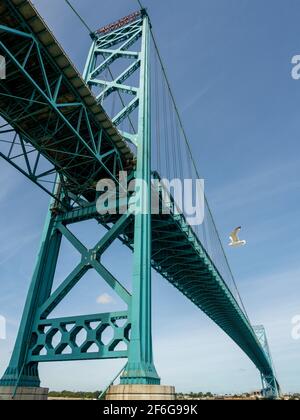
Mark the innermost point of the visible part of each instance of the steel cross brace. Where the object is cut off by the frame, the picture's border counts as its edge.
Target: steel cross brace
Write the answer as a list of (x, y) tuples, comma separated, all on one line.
[(35, 341), (112, 47)]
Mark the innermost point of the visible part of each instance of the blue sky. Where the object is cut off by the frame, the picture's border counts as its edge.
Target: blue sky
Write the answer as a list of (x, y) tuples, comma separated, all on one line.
[(229, 62)]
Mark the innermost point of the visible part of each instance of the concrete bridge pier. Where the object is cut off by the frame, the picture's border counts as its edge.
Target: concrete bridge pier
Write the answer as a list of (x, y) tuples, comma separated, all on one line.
[(140, 392), (23, 393)]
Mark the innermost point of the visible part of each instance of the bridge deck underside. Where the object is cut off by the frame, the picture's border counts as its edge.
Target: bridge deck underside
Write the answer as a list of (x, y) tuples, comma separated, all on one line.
[(181, 259), (46, 101)]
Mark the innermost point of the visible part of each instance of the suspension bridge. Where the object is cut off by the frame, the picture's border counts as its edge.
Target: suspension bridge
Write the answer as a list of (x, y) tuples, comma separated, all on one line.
[(65, 132)]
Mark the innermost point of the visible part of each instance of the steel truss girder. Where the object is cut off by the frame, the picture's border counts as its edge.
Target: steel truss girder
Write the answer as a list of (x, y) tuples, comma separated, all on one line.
[(30, 157), (71, 117)]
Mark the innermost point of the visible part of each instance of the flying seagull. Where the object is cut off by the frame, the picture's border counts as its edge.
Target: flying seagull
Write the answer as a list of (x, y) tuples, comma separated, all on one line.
[(234, 238)]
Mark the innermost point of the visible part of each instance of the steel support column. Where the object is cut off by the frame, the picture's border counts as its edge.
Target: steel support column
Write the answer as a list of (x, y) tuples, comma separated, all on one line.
[(20, 371), (140, 368), (270, 386)]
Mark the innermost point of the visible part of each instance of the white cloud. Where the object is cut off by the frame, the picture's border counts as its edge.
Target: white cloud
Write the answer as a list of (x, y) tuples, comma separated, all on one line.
[(104, 299)]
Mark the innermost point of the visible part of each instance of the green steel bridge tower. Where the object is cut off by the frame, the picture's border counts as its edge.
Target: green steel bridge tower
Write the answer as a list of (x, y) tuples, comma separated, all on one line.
[(56, 128)]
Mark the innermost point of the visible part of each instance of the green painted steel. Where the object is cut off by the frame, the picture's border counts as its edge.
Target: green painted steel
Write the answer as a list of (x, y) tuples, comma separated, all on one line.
[(43, 339), (53, 117), (140, 367), (270, 385), (113, 46), (19, 371), (53, 123)]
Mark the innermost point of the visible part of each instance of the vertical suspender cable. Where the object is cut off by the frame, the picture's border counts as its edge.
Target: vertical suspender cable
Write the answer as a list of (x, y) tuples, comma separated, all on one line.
[(196, 169)]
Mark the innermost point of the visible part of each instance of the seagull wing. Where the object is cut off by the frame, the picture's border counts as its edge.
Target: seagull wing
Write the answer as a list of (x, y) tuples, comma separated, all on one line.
[(234, 235)]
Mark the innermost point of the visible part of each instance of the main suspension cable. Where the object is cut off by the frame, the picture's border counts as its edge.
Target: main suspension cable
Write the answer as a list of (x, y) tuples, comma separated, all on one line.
[(79, 16)]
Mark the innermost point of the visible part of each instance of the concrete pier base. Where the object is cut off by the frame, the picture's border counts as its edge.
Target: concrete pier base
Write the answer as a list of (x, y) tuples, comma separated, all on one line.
[(140, 392), (33, 394)]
